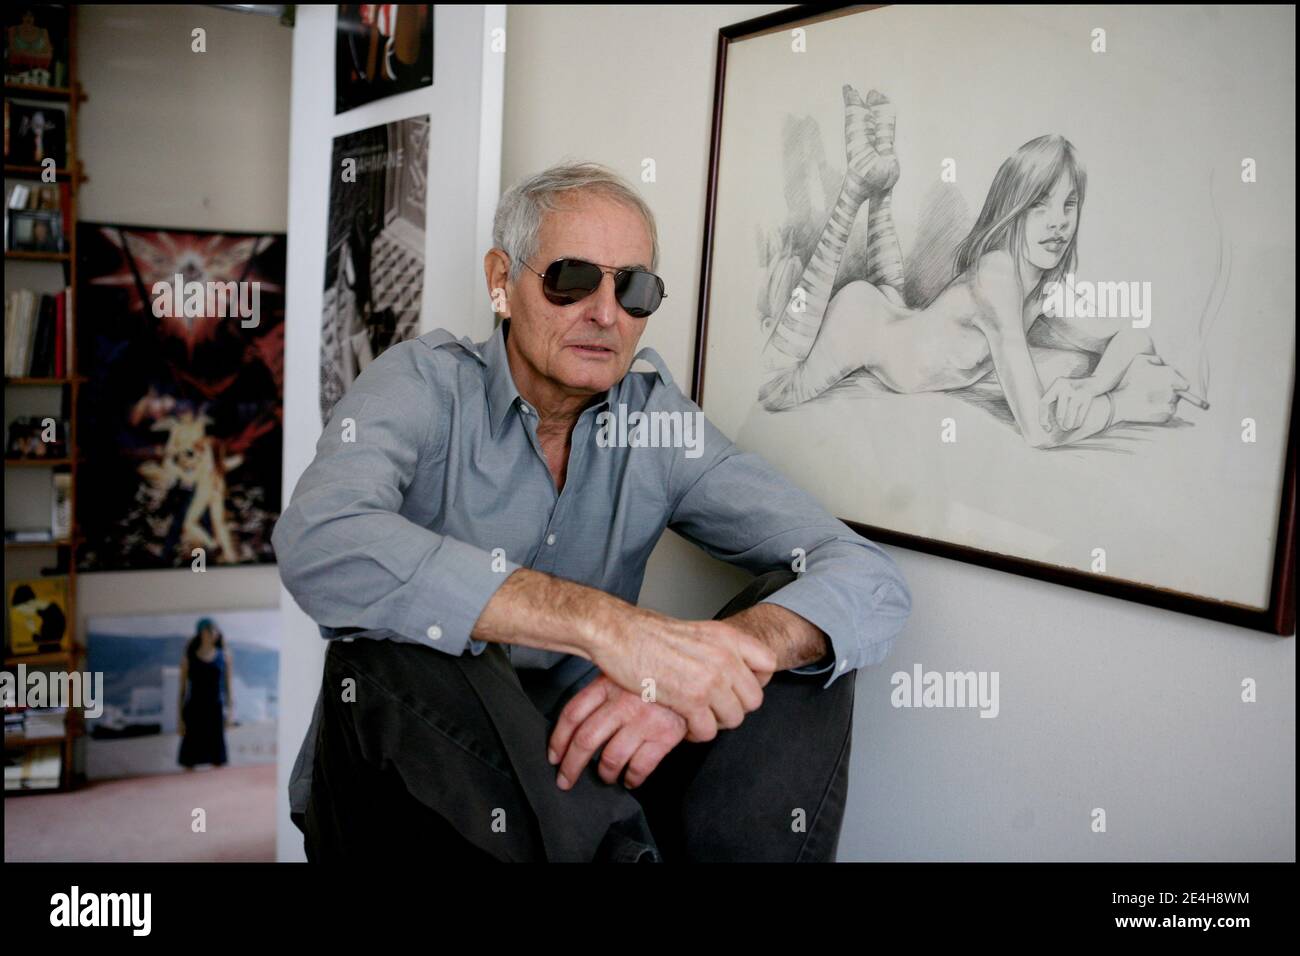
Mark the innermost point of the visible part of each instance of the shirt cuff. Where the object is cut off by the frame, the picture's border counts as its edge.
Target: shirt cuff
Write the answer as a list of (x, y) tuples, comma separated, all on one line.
[(816, 604), (461, 580), (826, 663)]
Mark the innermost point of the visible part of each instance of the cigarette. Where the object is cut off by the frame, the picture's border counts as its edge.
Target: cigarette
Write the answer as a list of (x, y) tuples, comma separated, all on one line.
[(1194, 399)]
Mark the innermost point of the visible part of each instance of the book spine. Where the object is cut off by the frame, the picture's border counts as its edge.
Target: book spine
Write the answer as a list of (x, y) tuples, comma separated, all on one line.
[(27, 332), (65, 210), (11, 336), (43, 346), (60, 337), (70, 357)]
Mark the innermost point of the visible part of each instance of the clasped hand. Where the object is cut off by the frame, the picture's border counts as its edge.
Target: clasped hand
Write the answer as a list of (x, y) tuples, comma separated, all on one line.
[(663, 680)]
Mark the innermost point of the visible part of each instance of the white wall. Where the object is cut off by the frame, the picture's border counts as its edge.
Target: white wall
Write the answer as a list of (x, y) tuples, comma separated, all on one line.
[(465, 104), (1104, 703), (170, 137), (180, 139)]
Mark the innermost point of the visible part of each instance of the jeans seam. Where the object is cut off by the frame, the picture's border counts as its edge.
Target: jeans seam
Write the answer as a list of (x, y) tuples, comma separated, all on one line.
[(821, 805), (443, 732)]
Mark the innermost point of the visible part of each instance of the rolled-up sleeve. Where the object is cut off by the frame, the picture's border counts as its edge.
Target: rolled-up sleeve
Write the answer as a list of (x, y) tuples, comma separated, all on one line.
[(742, 511), (347, 555)]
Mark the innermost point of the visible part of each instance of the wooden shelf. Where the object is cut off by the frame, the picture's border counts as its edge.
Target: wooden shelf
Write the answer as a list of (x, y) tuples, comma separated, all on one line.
[(38, 256), (39, 380), (19, 90), (74, 176), (14, 743), (44, 660), (60, 172)]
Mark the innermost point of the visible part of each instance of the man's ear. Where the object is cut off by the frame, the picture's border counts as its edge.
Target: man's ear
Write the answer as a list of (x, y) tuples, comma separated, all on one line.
[(496, 269)]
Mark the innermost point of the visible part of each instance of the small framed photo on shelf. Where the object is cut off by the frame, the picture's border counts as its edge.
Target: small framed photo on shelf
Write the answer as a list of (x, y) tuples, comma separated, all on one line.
[(34, 133), (31, 437), (35, 230), (36, 44)]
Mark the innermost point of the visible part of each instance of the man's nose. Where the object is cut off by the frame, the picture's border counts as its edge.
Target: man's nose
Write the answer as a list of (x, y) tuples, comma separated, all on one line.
[(604, 303)]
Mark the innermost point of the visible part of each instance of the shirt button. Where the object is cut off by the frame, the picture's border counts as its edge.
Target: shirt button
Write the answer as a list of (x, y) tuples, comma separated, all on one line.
[(434, 632), (526, 409), (550, 539)]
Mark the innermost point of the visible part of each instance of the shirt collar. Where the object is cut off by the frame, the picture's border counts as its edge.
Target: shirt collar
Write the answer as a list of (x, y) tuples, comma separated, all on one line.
[(502, 392)]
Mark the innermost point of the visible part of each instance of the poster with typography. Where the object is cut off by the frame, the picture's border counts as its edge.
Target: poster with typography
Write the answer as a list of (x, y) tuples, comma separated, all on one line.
[(374, 249), (381, 49), (1012, 285), (180, 338)]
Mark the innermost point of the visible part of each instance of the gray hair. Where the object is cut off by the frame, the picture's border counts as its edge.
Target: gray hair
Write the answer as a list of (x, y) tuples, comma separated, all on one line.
[(518, 221)]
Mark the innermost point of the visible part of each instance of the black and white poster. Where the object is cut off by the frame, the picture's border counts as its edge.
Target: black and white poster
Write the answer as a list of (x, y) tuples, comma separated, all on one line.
[(1123, 399), (374, 254)]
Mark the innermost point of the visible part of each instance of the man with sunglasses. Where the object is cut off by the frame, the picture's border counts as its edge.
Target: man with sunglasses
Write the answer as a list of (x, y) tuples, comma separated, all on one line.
[(508, 700)]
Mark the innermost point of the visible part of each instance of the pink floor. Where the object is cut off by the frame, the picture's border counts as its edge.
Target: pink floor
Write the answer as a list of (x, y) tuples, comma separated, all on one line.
[(149, 819)]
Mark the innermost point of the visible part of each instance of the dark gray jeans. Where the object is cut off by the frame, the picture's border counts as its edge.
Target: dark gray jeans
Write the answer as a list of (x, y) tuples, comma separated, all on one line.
[(443, 759)]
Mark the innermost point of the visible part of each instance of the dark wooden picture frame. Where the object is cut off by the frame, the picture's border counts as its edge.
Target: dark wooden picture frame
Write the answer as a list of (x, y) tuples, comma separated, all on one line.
[(1279, 616)]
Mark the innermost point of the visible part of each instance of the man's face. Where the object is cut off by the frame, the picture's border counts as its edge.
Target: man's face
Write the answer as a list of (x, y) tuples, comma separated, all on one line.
[(588, 346)]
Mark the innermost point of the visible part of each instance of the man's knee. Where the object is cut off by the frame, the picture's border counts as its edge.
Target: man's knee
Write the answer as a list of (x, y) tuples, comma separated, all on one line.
[(388, 685), (411, 755), (400, 662), (762, 586), (411, 672)]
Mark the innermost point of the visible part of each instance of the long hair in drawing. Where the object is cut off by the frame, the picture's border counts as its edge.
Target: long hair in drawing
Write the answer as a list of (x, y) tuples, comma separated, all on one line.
[(1023, 179)]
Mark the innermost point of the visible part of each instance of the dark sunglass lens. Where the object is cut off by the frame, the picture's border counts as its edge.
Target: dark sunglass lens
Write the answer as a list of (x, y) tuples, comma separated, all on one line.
[(639, 293), (571, 280)]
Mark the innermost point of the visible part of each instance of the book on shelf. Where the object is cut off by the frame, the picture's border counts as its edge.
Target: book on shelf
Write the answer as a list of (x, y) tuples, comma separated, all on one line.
[(24, 723), (61, 504), (35, 196), (62, 338), (28, 535), (38, 615), (35, 768), (37, 334)]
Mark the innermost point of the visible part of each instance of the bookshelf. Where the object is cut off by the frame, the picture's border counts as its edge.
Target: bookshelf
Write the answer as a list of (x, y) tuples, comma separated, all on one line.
[(29, 560)]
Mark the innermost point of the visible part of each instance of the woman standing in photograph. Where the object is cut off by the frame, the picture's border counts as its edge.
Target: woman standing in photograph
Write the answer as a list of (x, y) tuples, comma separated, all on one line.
[(205, 710)]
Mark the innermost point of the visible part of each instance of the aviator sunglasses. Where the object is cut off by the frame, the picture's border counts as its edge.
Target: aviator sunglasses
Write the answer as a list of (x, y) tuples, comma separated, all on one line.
[(567, 281)]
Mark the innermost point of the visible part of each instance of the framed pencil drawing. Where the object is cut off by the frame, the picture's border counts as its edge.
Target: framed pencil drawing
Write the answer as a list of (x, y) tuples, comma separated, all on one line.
[(1015, 285)]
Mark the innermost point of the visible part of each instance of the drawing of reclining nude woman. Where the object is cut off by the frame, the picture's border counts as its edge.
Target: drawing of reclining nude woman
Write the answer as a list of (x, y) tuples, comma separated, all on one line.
[(1023, 239)]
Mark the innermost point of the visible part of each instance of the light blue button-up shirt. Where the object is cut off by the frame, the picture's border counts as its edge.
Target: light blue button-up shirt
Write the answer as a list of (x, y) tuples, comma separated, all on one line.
[(429, 487)]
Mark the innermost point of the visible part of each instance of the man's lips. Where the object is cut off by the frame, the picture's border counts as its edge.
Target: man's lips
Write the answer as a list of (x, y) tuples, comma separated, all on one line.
[(593, 349)]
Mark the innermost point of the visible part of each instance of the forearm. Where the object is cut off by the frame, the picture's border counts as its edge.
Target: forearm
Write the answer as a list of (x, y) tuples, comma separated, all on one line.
[(533, 609), (428, 588), (795, 641), (1120, 350)]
